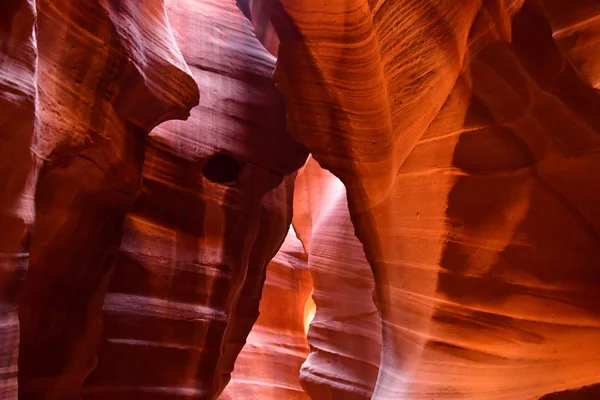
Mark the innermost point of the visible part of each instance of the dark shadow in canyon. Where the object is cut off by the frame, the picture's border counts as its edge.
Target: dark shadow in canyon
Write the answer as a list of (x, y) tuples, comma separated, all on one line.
[(514, 232), (585, 393)]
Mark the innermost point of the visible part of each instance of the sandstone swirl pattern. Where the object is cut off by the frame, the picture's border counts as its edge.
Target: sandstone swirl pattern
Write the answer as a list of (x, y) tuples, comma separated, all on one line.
[(214, 209), (468, 143), (18, 169), (453, 245), (269, 365), (82, 84), (345, 334)]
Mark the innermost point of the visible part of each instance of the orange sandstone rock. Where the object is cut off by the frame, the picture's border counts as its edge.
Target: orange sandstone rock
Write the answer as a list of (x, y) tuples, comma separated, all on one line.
[(268, 366), (453, 236), (467, 142), (345, 334), (215, 207)]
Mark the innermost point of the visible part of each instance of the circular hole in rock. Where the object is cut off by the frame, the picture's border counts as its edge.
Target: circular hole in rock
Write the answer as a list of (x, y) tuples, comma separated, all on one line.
[(222, 169)]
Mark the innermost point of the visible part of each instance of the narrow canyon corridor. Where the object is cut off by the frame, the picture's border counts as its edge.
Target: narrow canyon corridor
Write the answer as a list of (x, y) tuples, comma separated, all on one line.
[(300, 199)]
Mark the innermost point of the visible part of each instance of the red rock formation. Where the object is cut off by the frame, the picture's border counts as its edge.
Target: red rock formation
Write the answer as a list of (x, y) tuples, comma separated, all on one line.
[(104, 79), (576, 30), (467, 144), (18, 169), (214, 209), (263, 28), (465, 135), (345, 334), (269, 365), (359, 102)]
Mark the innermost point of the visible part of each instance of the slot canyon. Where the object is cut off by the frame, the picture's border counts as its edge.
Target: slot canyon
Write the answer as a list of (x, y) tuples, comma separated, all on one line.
[(300, 199)]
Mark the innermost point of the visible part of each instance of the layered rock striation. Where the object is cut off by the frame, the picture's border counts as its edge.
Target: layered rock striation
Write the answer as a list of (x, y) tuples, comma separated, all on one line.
[(268, 366), (466, 139), (215, 207), (19, 165), (447, 220), (345, 334), (83, 84)]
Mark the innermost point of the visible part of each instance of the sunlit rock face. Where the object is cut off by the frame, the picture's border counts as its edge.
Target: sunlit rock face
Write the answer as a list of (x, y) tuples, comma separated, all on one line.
[(467, 140), (269, 365), (82, 85), (215, 206), (345, 334), (446, 228)]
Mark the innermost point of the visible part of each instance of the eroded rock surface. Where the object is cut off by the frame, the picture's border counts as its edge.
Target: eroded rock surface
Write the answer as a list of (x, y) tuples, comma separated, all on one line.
[(86, 82), (464, 137), (18, 169), (462, 140), (269, 365), (215, 207), (345, 334)]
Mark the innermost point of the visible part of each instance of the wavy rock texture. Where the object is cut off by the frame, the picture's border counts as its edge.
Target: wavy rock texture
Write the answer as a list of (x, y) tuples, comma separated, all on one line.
[(104, 80), (467, 143), (576, 30), (18, 169), (268, 366), (263, 28), (359, 96), (345, 334), (214, 209), (465, 136)]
